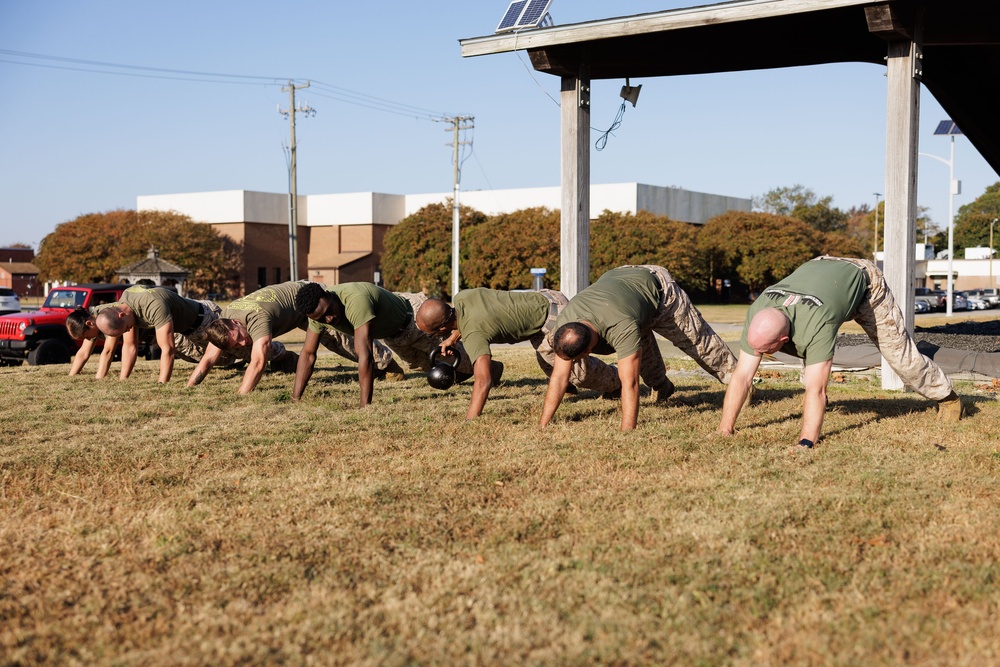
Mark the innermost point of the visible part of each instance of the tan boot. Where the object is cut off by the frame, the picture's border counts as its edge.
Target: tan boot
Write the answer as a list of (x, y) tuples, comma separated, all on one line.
[(393, 372), (950, 408)]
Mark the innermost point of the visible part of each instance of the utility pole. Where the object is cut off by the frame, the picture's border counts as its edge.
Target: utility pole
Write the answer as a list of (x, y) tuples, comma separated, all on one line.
[(457, 123), (293, 198)]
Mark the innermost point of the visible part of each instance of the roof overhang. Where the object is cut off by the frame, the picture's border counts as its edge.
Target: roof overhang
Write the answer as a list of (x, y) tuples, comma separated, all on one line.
[(959, 38)]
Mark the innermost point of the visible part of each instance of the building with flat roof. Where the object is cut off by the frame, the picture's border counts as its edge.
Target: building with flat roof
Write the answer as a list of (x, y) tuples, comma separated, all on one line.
[(340, 236)]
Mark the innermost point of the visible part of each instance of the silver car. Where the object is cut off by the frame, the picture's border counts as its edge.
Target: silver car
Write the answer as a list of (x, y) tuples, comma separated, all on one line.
[(10, 302)]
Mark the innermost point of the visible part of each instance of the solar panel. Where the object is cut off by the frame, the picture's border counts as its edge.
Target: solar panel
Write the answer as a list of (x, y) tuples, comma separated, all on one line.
[(533, 13), (524, 14), (510, 17), (947, 127)]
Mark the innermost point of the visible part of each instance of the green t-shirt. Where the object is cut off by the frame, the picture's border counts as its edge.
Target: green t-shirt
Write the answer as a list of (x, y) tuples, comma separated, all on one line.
[(487, 316), (365, 302), (622, 305), (817, 297), (270, 311), (155, 306)]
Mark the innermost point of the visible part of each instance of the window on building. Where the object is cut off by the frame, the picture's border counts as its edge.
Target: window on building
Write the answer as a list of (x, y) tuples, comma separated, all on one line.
[(277, 275), (261, 276)]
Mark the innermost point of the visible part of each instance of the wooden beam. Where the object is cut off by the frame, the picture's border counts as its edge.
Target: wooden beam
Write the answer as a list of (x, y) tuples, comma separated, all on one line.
[(902, 144), (574, 249)]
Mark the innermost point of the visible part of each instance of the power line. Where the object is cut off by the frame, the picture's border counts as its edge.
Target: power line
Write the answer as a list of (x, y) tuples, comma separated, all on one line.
[(320, 88)]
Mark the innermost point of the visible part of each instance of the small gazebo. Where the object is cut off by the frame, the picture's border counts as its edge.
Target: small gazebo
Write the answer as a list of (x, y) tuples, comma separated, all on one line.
[(155, 271)]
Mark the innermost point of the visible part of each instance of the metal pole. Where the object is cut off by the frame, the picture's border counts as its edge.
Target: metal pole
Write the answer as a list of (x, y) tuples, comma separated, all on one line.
[(991, 251), (454, 219), (951, 225), (293, 197)]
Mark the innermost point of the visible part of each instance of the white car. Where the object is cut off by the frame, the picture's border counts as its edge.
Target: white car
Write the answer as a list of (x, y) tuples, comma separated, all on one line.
[(10, 302), (977, 303)]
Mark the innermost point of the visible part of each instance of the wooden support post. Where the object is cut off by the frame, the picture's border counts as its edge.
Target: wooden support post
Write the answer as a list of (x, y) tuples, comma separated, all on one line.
[(902, 124), (574, 254)]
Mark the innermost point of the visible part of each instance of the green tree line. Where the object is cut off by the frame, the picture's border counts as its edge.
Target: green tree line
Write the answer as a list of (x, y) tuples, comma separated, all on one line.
[(749, 250)]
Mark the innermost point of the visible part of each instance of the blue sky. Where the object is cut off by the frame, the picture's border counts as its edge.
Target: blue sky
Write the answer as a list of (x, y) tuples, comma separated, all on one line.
[(75, 141)]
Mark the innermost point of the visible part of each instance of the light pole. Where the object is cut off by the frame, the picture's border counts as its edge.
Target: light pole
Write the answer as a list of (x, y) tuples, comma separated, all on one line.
[(875, 246), (949, 129), (991, 250)]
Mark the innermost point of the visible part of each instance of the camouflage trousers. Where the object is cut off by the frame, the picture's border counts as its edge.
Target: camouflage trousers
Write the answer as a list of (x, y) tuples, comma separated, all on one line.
[(884, 323), (191, 346), (414, 347), (587, 373), (679, 322)]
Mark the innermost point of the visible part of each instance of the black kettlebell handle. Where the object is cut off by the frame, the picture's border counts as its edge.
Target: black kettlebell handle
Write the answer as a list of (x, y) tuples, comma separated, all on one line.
[(453, 357)]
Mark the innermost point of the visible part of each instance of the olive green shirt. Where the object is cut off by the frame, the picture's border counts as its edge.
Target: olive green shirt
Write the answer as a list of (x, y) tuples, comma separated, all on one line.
[(388, 313), (270, 311), (817, 297), (487, 316), (154, 307), (621, 305)]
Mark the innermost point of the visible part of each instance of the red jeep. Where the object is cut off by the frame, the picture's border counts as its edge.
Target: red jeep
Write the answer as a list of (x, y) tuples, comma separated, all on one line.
[(40, 336)]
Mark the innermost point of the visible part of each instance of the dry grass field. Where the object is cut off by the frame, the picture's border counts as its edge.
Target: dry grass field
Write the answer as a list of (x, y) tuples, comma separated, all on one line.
[(158, 525)]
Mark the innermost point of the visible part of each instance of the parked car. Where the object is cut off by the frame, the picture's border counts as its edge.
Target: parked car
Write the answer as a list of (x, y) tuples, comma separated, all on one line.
[(40, 336), (988, 294), (939, 299), (977, 303), (921, 305), (10, 302)]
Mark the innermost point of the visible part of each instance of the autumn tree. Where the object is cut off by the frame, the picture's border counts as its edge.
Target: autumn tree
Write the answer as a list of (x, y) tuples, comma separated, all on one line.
[(94, 246), (503, 249), (757, 249), (617, 239), (417, 254), (972, 224)]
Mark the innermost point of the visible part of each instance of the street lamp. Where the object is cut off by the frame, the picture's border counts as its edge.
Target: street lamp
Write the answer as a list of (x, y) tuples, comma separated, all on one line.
[(991, 250), (875, 247), (950, 129)]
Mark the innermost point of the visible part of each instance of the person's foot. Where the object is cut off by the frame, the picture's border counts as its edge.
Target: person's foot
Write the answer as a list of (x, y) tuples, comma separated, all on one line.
[(664, 391), (496, 371), (392, 372), (950, 408), (612, 395), (286, 363)]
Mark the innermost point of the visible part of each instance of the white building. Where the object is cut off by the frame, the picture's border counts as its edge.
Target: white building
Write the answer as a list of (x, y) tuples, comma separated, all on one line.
[(340, 236)]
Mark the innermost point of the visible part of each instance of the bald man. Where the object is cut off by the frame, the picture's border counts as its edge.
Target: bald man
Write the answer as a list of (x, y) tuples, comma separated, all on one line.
[(481, 317), (618, 314), (801, 316)]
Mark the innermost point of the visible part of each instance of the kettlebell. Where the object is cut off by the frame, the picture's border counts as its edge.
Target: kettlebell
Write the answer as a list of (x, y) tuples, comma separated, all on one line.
[(442, 373)]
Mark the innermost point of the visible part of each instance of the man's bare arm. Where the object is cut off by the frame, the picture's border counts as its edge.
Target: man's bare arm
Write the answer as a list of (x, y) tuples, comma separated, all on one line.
[(259, 354), (130, 353), (207, 363), (816, 377), (737, 391), (481, 386), (558, 382), (366, 365), (307, 361), (82, 355), (628, 373), (165, 339)]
